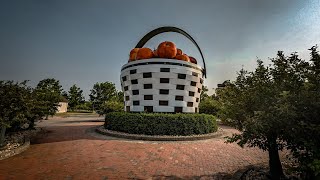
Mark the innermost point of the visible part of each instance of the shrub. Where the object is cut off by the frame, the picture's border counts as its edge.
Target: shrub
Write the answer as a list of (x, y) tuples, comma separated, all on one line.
[(112, 106), (209, 106), (160, 123)]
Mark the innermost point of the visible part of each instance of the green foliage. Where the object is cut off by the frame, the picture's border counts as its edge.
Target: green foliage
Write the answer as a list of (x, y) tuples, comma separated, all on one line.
[(276, 107), (100, 93), (120, 96), (87, 106), (49, 92), (75, 97), (112, 106), (18, 105), (203, 94), (13, 102), (161, 124), (12, 106), (36, 107), (209, 105), (303, 135)]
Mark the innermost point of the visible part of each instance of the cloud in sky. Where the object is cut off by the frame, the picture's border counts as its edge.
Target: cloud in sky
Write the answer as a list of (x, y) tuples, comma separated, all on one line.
[(83, 42)]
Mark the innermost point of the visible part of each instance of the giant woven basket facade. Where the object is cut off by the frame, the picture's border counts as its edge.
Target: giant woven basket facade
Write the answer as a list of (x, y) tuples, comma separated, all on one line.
[(161, 85)]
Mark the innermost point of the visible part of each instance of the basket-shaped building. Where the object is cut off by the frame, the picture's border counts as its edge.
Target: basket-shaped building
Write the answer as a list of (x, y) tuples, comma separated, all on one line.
[(162, 85)]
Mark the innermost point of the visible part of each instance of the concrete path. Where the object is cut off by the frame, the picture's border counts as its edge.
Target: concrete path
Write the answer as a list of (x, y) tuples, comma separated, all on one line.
[(72, 150)]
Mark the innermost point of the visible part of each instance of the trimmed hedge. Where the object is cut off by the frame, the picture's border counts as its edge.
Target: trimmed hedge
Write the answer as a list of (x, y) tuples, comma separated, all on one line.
[(160, 123)]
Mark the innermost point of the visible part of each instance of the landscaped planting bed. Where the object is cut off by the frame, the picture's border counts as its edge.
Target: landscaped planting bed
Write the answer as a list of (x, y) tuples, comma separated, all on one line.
[(160, 123)]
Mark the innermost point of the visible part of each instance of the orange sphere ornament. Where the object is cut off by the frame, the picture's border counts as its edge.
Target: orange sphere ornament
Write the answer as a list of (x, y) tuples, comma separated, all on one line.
[(144, 53), (183, 57), (167, 50), (155, 53), (179, 52), (133, 54), (193, 60)]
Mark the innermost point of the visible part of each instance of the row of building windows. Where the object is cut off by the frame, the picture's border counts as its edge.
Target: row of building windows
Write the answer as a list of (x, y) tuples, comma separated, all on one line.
[(163, 81), (162, 91), (162, 103), (149, 75), (150, 97), (150, 109), (149, 86)]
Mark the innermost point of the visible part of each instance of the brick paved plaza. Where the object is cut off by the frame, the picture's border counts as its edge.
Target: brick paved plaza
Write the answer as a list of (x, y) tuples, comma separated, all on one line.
[(72, 150)]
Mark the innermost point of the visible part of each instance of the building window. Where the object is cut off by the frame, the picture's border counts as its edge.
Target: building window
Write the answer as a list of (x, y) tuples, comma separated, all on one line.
[(197, 99), (148, 97), (190, 104), (133, 71), (134, 81), (199, 90), (147, 75), (163, 103), (147, 86), (135, 92), (136, 103), (164, 69), (180, 87), (148, 108), (164, 91), (181, 76), (196, 110), (125, 88), (128, 108), (177, 109), (179, 98), (124, 78), (201, 80), (127, 98), (195, 74), (191, 93), (193, 83), (164, 80)]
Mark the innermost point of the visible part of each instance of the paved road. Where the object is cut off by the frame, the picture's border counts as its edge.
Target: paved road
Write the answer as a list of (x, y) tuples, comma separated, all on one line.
[(71, 150)]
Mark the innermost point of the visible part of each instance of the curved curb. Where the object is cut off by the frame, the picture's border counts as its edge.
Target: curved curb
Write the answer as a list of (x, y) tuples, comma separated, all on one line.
[(102, 130), (17, 150)]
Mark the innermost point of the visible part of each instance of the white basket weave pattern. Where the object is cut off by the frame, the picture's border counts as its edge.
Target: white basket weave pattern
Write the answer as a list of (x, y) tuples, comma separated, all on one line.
[(161, 85)]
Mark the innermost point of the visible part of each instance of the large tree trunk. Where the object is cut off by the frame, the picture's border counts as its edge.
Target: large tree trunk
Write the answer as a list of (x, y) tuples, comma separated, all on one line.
[(274, 159), (2, 133)]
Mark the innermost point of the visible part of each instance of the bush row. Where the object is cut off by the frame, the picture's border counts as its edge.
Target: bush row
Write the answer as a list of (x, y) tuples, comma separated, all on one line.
[(160, 123)]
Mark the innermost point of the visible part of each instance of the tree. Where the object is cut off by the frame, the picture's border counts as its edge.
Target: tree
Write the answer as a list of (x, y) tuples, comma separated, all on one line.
[(13, 105), (35, 107), (209, 105), (100, 93), (87, 106), (303, 134), (258, 104), (120, 96), (204, 92), (65, 95), (112, 106), (49, 92), (75, 97)]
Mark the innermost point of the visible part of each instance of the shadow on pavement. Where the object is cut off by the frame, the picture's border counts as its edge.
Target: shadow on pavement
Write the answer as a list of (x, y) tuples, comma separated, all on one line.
[(63, 133)]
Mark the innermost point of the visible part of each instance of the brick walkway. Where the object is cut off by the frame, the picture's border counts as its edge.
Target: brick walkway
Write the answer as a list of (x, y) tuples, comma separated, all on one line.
[(71, 150)]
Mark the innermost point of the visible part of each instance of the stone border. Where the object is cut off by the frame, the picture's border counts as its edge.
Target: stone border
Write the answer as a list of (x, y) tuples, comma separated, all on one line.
[(102, 130), (17, 150)]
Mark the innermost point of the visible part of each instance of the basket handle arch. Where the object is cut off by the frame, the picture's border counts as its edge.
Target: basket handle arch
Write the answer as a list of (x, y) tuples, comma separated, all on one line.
[(164, 29)]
